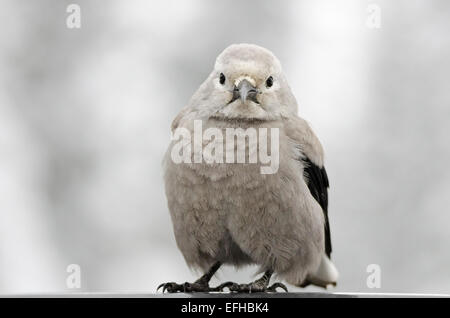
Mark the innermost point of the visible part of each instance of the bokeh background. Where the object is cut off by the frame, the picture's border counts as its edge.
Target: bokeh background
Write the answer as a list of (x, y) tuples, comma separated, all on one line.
[(85, 116)]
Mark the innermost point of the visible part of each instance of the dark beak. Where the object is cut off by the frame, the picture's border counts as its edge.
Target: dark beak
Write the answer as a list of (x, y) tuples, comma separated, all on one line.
[(245, 91)]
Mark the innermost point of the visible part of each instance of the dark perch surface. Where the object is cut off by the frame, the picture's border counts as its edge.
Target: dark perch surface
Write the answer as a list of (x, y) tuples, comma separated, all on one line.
[(221, 295), (255, 295), (183, 295)]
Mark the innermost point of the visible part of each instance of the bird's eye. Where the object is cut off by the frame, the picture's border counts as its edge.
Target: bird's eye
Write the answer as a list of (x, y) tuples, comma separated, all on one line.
[(269, 81), (222, 78)]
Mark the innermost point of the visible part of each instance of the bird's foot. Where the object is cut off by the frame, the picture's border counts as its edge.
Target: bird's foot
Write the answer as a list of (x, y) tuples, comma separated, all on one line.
[(185, 288), (254, 287), (191, 287)]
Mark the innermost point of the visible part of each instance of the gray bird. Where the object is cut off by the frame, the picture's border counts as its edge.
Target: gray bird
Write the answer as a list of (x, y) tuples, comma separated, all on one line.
[(237, 213)]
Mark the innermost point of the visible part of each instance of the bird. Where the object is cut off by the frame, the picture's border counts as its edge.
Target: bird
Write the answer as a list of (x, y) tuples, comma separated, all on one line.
[(233, 213)]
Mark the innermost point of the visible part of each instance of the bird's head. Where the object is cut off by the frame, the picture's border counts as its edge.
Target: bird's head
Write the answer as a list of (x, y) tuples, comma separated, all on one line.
[(247, 83)]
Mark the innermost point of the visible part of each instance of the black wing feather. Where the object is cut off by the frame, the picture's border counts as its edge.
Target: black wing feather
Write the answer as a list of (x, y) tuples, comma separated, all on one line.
[(317, 180)]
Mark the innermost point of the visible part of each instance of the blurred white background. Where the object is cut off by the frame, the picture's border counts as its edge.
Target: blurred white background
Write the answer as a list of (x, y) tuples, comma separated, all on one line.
[(85, 116)]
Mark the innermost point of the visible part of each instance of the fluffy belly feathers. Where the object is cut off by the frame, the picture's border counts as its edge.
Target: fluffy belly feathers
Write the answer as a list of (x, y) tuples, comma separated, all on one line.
[(230, 212)]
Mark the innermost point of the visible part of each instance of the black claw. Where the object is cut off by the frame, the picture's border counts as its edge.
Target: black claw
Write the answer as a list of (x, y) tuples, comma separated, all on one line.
[(274, 287), (186, 287), (164, 286), (167, 287), (171, 287)]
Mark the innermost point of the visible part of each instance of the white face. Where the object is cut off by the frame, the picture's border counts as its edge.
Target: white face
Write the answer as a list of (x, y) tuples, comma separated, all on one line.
[(247, 83)]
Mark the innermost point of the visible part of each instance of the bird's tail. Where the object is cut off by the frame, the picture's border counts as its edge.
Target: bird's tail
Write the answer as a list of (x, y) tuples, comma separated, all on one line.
[(326, 274)]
